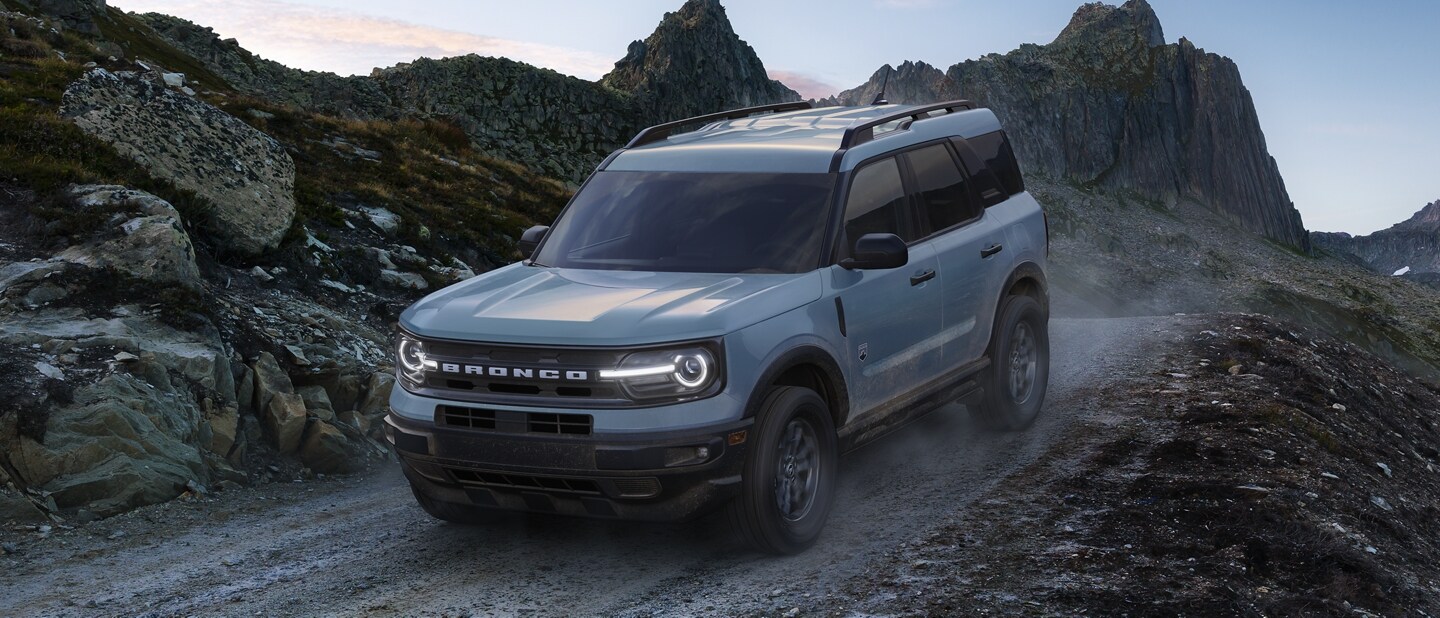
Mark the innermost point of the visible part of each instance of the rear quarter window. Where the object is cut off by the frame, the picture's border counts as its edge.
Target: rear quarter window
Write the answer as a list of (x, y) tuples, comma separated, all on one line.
[(994, 149)]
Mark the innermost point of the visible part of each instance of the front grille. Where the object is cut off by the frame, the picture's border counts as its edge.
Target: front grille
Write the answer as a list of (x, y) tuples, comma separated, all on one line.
[(504, 421), (506, 480), (524, 379), (637, 488)]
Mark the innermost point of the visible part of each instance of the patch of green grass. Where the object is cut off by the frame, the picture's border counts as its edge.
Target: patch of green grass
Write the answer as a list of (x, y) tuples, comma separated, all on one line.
[(428, 173)]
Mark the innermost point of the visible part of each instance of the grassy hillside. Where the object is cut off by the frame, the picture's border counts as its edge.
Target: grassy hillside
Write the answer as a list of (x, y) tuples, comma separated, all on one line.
[(451, 200)]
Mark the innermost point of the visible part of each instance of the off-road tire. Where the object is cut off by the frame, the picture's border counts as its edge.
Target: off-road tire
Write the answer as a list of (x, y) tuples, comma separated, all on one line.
[(454, 513), (1006, 406), (757, 513)]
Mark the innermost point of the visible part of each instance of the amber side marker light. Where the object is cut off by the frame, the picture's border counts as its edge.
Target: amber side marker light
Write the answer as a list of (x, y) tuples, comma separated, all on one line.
[(737, 438)]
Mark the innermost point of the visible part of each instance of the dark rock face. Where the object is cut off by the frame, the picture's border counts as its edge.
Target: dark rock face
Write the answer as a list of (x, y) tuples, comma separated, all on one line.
[(1107, 103), (77, 15), (910, 82), (562, 126), (693, 64), (1413, 243)]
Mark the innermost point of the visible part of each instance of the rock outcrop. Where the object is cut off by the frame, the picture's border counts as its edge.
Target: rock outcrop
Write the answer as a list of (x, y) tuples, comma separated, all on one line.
[(1109, 104), (559, 125), (78, 15), (244, 174), (911, 82), (148, 240), (694, 63), (1412, 246)]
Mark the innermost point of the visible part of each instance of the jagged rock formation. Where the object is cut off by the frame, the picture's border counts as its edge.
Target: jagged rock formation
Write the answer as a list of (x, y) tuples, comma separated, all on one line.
[(910, 82), (1412, 244), (246, 175), (694, 63), (1109, 104)]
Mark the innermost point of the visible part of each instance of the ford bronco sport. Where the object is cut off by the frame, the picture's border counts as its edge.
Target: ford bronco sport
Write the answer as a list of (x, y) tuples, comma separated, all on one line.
[(717, 314)]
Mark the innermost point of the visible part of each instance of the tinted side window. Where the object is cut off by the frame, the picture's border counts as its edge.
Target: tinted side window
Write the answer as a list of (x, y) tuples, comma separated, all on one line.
[(941, 187), (983, 182), (995, 149), (876, 203)]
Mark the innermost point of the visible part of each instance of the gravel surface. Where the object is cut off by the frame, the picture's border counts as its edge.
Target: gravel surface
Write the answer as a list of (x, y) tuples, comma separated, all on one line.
[(360, 546)]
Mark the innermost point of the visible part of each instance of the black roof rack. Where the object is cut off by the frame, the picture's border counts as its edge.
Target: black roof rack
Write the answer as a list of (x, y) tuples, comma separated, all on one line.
[(662, 131), (865, 131)]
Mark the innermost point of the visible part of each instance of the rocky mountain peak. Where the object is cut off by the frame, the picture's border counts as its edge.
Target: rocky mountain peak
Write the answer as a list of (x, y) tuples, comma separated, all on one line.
[(1428, 218), (694, 63), (911, 82), (1134, 20)]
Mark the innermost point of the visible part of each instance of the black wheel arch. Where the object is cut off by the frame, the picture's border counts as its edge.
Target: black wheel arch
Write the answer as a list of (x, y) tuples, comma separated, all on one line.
[(1028, 279), (807, 366)]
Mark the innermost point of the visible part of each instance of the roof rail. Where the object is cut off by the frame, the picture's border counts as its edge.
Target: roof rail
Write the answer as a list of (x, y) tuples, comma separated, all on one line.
[(865, 131), (662, 131)]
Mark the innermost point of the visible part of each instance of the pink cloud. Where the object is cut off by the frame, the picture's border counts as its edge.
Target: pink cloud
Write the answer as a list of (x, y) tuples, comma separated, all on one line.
[(352, 43), (808, 87)]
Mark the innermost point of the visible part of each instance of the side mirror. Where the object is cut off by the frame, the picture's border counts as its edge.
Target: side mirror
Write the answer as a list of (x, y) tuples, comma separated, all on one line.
[(877, 251), (530, 240)]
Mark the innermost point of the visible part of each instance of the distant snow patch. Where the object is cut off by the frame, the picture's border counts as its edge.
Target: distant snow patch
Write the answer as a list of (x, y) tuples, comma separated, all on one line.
[(1400, 272)]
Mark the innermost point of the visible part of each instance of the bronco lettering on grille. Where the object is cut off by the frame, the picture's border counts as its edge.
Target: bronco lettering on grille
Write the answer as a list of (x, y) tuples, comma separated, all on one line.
[(569, 375)]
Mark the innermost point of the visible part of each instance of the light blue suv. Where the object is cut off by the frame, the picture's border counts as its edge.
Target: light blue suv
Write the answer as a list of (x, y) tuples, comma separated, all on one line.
[(718, 314)]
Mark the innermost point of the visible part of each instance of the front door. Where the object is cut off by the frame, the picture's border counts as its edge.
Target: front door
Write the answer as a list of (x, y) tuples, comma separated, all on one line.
[(892, 315)]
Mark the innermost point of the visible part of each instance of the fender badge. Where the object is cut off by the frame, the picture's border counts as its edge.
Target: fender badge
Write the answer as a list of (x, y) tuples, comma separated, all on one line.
[(864, 350)]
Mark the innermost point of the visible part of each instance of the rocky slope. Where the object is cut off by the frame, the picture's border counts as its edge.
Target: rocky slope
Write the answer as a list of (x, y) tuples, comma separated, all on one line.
[(692, 64), (1109, 104), (1413, 244)]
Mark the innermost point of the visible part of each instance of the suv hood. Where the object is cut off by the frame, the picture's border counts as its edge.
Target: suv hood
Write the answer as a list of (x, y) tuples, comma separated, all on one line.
[(526, 304)]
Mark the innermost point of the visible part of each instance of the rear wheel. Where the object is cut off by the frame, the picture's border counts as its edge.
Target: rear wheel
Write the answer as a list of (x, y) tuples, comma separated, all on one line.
[(452, 512), (1019, 370), (789, 476)]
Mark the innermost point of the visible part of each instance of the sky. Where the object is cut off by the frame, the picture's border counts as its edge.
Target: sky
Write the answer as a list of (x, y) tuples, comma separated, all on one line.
[(1348, 93)]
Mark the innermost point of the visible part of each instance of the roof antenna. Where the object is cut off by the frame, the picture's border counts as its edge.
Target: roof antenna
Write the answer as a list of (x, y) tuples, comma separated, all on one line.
[(880, 96)]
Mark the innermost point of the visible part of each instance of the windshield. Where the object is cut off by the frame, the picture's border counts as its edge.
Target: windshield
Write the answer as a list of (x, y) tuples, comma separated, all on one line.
[(693, 222)]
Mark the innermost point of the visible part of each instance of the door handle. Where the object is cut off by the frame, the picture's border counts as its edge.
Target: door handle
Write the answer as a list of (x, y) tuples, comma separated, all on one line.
[(991, 250), (922, 276)]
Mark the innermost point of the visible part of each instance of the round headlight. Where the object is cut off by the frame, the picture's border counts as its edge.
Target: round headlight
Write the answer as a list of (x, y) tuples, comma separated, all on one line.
[(692, 369), (412, 355)]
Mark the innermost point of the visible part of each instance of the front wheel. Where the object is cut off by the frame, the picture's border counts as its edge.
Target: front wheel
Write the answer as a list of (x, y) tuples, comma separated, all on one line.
[(789, 476), (1019, 370)]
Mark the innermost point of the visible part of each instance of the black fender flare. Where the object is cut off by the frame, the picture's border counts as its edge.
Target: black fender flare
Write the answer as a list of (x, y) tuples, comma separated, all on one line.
[(804, 354), (1026, 270)]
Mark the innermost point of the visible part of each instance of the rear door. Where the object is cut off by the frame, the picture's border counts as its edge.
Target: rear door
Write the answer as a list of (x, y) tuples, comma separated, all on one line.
[(892, 315), (969, 246)]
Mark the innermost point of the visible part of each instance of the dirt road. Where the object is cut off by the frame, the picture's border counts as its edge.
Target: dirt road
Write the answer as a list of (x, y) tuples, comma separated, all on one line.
[(360, 546)]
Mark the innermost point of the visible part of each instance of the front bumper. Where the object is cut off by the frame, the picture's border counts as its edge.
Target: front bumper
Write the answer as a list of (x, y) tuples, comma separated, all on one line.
[(621, 476)]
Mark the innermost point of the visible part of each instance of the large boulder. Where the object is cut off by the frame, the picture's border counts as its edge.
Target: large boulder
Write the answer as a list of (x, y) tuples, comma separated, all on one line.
[(270, 380), (244, 174), (377, 394), (327, 450), (123, 443), (285, 420), (147, 239)]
